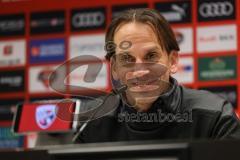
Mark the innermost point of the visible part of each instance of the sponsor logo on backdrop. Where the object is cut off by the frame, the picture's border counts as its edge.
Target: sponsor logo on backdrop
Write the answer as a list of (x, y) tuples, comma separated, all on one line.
[(7, 50), (85, 19), (185, 70), (47, 22), (45, 115), (184, 37), (216, 10), (179, 37), (87, 45), (8, 108), (217, 68), (12, 25), (175, 12), (39, 78), (216, 38), (116, 10), (47, 50), (229, 93), (77, 78), (12, 53), (10, 140), (44, 77), (12, 81)]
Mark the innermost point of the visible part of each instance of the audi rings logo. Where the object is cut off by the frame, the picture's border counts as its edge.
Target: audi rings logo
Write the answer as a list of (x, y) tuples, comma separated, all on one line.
[(88, 19), (220, 10), (216, 9)]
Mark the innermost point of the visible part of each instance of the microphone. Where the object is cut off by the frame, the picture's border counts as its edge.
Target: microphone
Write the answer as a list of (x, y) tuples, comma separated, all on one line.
[(116, 91)]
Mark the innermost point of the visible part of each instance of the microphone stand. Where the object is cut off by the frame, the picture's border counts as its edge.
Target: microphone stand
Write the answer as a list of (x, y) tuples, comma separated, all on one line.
[(116, 91)]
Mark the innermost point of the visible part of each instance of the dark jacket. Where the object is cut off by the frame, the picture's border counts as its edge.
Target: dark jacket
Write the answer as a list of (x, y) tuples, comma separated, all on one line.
[(197, 115)]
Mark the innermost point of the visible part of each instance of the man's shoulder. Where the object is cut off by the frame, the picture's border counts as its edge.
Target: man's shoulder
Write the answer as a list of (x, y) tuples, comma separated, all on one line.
[(202, 100)]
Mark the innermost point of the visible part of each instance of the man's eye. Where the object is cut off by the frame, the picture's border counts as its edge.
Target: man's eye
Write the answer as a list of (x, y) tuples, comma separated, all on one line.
[(153, 56), (126, 58)]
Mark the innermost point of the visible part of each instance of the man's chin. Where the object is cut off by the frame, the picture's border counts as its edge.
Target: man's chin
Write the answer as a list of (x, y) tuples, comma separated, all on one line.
[(142, 101), (143, 88), (140, 93), (143, 104)]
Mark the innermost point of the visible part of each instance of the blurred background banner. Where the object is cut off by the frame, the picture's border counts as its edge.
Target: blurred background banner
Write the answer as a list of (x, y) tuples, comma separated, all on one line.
[(38, 36)]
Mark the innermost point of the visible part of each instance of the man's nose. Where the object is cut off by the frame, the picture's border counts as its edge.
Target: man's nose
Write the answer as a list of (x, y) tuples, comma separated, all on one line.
[(136, 74), (139, 65), (139, 61)]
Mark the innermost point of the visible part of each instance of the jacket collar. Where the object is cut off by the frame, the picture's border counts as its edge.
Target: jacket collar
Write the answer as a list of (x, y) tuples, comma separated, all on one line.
[(171, 100)]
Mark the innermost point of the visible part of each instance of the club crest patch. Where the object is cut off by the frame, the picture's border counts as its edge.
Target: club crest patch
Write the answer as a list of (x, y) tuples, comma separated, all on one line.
[(45, 115)]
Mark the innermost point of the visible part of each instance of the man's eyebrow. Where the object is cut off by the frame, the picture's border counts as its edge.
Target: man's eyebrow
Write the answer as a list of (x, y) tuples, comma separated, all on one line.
[(124, 53), (155, 48)]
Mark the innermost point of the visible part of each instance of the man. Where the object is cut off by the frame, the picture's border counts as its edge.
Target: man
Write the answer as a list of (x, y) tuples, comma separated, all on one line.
[(154, 105)]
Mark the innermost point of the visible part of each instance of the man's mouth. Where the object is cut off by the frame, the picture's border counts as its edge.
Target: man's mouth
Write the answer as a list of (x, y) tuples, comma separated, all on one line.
[(144, 86)]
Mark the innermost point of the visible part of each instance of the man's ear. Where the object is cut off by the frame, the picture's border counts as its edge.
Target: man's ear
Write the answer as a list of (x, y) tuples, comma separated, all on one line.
[(173, 58), (113, 69)]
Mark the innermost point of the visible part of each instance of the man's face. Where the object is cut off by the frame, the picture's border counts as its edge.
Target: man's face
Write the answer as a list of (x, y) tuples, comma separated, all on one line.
[(142, 64)]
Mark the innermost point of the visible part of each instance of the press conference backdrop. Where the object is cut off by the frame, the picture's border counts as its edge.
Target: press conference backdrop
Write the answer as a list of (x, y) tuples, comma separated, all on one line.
[(37, 36)]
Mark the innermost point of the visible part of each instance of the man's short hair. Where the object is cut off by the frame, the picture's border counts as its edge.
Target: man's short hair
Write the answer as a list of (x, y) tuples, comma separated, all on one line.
[(152, 17)]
